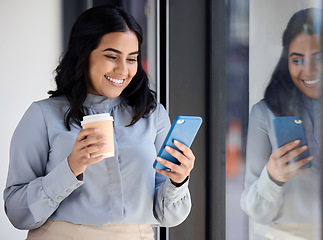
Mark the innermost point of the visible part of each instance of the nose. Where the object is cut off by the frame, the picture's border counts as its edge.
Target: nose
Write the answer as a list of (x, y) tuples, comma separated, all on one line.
[(121, 67)]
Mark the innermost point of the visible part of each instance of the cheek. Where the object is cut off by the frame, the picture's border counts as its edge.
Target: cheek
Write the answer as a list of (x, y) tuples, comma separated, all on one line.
[(318, 68), (133, 70), (98, 69), (93, 76), (92, 71), (294, 71)]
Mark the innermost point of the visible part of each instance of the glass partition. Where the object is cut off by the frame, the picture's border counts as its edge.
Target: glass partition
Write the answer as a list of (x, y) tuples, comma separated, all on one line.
[(272, 182)]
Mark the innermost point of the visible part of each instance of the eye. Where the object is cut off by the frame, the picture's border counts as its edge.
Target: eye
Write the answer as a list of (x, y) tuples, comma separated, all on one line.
[(132, 59), (317, 59), (298, 61), (111, 57)]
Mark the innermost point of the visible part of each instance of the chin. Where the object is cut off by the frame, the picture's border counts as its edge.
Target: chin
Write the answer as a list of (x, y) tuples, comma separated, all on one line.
[(112, 95), (315, 95)]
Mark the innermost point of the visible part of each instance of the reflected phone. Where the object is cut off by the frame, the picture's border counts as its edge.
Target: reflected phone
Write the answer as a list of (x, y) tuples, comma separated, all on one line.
[(184, 130), (288, 129)]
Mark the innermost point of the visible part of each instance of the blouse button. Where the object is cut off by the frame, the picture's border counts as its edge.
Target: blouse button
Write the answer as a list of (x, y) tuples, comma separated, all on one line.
[(59, 198)]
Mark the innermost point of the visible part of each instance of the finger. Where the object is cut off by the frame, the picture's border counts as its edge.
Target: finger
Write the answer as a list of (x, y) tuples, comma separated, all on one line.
[(95, 159), (185, 150), (290, 155), (293, 174), (294, 166), (172, 166), (176, 177), (285, 148), (176, 154), (92, 140), (85, 132), (87, 151), (183, 159), (90, 161), (166, 173), (176, 172)]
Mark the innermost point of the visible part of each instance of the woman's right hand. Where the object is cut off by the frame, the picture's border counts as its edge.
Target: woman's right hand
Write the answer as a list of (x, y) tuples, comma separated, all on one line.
[(280, 169), (85, 144)]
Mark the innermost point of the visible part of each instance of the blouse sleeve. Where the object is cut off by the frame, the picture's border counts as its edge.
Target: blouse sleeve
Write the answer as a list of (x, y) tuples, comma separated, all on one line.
[(31, 196), (171, 204), (262, 198)]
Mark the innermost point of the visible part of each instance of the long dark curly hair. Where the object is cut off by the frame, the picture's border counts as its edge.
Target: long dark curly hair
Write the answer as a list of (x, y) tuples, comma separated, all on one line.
[(281, 94), (72, 72)]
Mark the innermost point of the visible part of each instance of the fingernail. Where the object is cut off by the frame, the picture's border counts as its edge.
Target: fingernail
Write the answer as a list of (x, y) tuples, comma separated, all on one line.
[(304, 147), (167, 148), (175, 141), (297, 141), (310, 158), (96, 130)]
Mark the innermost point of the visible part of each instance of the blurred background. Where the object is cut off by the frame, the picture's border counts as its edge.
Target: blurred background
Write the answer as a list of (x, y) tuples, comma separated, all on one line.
[(31, 44)]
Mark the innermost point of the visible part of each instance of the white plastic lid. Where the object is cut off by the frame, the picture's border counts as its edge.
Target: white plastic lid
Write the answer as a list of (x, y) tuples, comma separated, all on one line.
[(96, 118)]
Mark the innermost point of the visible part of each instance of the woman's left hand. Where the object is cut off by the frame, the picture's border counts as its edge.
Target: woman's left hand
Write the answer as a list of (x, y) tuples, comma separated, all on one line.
[(178, 173)]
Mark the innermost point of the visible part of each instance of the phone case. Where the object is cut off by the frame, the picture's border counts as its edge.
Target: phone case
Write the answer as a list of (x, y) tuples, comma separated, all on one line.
[(288, 129), (184, 130)]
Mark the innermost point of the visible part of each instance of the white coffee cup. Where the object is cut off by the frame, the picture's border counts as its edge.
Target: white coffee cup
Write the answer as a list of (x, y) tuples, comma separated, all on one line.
[(104, 122)]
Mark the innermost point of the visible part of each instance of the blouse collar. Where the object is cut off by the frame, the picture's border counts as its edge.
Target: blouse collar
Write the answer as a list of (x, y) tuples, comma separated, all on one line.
[(312, 105), (98, 102)]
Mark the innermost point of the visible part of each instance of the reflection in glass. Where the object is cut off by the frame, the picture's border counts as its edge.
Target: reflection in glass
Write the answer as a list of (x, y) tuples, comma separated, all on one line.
[(281, 196)]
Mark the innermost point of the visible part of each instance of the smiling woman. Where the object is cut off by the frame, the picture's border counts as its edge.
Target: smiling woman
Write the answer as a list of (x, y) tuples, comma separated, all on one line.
[(279, 192), (55, 189)]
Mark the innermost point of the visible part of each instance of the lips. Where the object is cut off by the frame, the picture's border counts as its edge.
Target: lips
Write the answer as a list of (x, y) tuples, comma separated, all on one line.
[(115, 80)]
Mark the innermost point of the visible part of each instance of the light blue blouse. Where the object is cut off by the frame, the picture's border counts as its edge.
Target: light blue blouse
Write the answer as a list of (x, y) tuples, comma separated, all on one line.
[(298, 200), (124, 189)]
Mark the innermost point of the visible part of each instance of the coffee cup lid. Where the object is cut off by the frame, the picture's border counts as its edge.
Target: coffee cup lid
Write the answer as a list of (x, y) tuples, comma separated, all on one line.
[(96, 118)]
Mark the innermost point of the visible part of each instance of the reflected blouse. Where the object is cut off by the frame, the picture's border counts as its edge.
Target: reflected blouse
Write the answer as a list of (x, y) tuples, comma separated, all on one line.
[(124, 189), (295, 201)]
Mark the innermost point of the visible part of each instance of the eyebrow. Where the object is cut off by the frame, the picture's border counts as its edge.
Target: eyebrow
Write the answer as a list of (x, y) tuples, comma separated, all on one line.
[(302, 55), (318, 52), (119, 52), (296, 54)]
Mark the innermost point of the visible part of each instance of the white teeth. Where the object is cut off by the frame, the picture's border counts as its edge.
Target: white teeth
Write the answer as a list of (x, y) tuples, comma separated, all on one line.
[(118, 81), (311, 81)]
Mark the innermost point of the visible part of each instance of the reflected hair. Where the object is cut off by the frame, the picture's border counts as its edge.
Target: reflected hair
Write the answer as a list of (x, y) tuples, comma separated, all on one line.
[(281, 95), (72, 72)]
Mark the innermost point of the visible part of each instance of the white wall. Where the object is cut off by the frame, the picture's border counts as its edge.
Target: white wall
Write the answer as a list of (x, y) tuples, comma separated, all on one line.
[(268, 19), (30, 46)]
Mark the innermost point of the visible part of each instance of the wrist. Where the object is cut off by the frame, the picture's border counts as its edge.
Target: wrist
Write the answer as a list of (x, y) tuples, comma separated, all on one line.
[(279, 183), (74, 169), (179, 184)]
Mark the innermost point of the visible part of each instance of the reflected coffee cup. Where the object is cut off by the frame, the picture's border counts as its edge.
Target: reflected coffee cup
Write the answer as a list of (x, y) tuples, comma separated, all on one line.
[(104, 122)]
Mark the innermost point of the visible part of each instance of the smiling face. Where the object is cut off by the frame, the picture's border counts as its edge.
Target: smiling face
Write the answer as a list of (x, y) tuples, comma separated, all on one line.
[(304, 63), (113, 64)]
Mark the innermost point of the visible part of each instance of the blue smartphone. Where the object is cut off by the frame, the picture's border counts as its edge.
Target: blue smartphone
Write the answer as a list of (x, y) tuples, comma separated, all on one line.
[(288, 129), (184, 130)]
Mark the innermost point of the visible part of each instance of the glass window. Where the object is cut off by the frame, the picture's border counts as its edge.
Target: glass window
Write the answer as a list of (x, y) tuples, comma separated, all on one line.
[(273, 189)]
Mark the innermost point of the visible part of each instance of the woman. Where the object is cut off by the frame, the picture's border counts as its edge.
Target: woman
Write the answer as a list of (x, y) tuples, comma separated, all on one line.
[(278, 192), (54, 188)]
